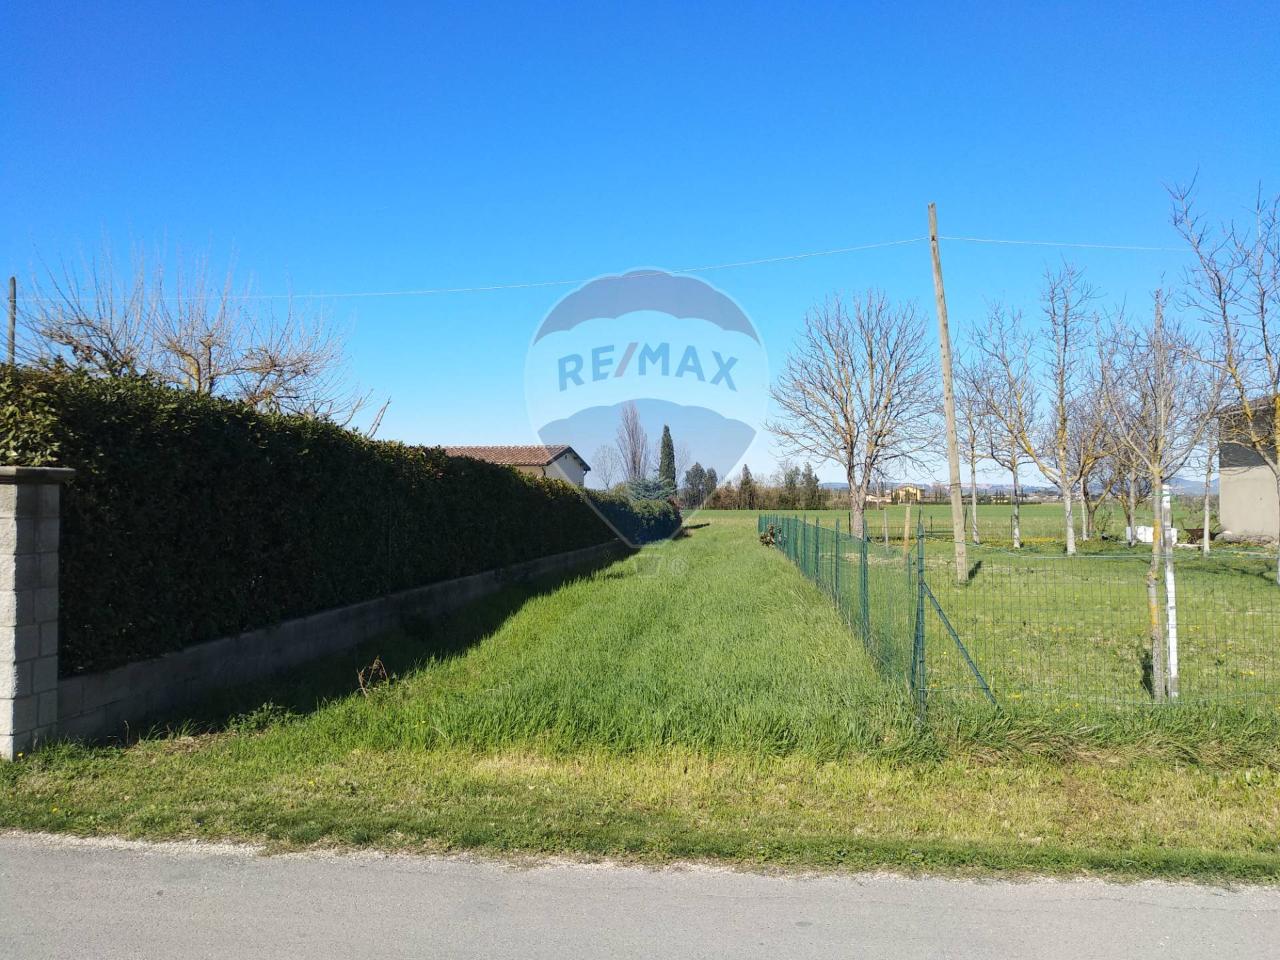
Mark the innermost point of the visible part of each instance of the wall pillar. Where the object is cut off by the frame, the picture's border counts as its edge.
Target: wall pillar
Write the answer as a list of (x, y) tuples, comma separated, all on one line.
[(29, 520)]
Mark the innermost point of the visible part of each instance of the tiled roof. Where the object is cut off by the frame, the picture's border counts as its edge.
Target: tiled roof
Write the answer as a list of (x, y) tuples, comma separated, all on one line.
[(515, 456)]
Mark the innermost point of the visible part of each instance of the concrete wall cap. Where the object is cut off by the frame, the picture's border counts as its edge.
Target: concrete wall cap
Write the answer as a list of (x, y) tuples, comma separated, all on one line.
[(13, 474)]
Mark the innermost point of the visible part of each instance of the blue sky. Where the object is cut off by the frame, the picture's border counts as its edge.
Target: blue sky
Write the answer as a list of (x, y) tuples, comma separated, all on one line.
[(338, 149)]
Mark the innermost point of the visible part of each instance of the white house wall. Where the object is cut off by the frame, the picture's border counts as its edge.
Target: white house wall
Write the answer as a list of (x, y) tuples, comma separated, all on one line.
[(1248, 502)]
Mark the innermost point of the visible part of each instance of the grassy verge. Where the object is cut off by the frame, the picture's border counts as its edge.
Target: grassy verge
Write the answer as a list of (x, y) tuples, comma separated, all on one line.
[(657, 806), (699, 700)]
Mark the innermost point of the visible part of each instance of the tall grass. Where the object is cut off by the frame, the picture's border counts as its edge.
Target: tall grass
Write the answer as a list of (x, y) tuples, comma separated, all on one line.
[(714, 643), (700, 699), (708, 642)]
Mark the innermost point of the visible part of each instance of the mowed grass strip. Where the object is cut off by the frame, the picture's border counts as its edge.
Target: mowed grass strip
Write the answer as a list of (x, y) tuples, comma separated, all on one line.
[(663, 805), (698, 700)]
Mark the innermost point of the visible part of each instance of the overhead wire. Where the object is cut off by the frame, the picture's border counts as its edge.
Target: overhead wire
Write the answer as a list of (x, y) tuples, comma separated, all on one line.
[(703, 268)]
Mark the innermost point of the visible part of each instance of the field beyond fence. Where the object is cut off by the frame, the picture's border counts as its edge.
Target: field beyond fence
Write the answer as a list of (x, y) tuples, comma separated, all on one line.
[(1037, 628)]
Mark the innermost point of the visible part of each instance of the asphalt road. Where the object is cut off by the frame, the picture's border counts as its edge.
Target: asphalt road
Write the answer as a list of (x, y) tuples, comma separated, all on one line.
[(77, 899)]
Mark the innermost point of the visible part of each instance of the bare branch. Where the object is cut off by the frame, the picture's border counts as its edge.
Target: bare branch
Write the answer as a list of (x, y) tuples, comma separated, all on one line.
[(858, 390), (190, 332)]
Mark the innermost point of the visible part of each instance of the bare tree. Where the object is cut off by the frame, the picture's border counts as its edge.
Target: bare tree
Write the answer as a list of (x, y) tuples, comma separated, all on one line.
[(1134, 485), (1001, 375), (1090, 443), (1066, 296), (1046, 441), (859, 389), (606, 464), (1234, 286), (190, 332), (1155, 390), (1209, 449), (633, 444), (684, 458), (974, 430)]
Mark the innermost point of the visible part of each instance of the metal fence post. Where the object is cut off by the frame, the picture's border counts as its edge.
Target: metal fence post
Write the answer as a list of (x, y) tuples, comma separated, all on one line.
[(865, 603), (817, 551), (835, 570), (918, 680)]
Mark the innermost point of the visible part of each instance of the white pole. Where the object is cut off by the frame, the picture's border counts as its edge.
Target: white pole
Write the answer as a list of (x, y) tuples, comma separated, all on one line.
[(1171, 596)]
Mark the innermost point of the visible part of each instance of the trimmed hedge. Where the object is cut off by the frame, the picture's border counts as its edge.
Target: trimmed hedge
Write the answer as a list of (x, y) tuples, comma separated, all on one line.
[(192, 517)]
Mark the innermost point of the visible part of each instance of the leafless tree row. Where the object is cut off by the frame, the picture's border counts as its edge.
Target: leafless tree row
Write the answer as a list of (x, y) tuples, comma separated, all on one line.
[(189, 330), (1102, 404), (1105, 404)]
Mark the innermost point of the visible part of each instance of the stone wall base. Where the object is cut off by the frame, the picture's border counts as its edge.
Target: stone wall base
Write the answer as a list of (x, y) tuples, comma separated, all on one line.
[(114, 703)]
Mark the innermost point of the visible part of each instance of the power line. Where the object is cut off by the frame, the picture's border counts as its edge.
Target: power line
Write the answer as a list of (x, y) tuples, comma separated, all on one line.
[(528, 285), (802, 256), (704, 268), (1061, 243)]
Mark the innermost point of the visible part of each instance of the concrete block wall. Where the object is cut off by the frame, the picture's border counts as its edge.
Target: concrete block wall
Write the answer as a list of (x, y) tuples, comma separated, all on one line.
[(115, 703), (29, 533), (35, 706)]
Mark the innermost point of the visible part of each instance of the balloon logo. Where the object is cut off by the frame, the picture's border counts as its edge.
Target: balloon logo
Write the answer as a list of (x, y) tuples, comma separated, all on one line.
[(665, 349)]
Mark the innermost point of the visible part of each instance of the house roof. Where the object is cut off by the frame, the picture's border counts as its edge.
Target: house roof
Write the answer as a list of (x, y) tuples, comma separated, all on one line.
[(535, 455)]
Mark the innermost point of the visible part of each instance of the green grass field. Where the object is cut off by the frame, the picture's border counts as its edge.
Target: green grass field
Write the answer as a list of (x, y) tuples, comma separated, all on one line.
[(1042, 524), (1069, 633), (700, 699)]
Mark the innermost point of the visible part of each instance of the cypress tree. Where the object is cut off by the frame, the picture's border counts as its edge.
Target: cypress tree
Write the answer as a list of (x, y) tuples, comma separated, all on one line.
[(695, 486), (810, 492), (667, 462), (747, 490)]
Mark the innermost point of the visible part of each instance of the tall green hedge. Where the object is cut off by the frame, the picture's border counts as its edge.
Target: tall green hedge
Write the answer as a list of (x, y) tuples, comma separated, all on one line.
[(191, 517)]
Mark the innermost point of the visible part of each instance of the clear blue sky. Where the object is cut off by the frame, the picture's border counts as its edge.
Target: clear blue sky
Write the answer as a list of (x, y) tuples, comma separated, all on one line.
[(334, 148)]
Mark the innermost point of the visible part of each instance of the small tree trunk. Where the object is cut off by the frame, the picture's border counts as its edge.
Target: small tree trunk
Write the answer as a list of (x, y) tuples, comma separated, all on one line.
[(1069, 519), (1017, 520), (1086, 518), (857, 502), (1204, 533), (1131, 508), (1159, 652), (1170, 600), (973, 494), (1091, 509)]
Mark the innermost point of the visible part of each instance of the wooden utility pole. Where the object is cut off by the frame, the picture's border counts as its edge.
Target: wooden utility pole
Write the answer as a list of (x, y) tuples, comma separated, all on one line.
[(949, 405), (13, 321)]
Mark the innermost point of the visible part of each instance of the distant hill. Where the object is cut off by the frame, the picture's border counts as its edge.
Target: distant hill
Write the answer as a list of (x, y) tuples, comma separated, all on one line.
[(1180, 485), (983, 488), (1192, 488)]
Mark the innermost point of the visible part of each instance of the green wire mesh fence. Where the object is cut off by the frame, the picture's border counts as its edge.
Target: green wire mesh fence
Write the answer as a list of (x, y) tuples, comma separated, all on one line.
[(879, 591), (1044, 629)]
